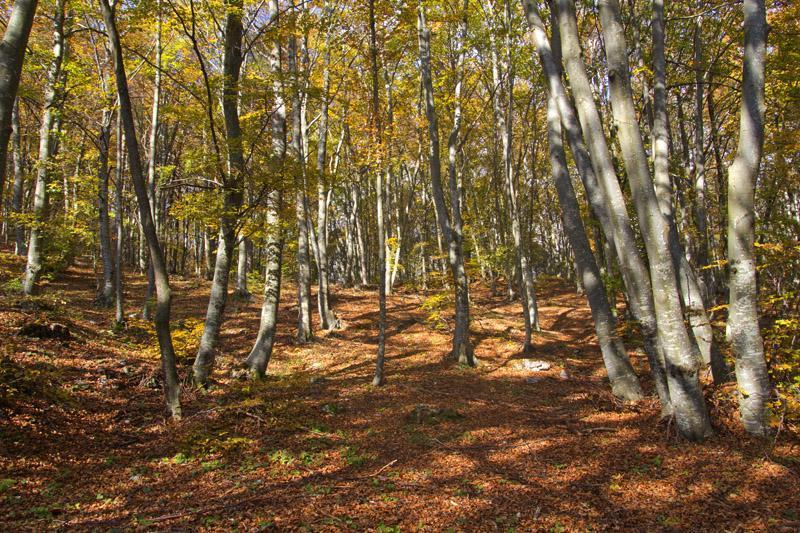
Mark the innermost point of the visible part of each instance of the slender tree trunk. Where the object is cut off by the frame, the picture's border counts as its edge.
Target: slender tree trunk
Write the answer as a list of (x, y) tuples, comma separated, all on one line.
[(462, 349), (624, 382), (52, 103), (12, 55), (152, 161), (120, 189), (304, 331), (163, 292), (377, 131), (106, 294), (233, 195), (681, 354), (691, 293), (261, 352), (700, 214), (18, 195), (616, 224), (242, 268), (746, 342), (327, 317)]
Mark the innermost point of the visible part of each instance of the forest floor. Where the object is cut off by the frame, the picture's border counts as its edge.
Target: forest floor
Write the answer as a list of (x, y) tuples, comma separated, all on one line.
[(85, 446)]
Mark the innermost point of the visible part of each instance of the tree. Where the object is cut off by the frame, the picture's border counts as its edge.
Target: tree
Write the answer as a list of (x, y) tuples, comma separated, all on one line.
[(12, 55), (163, 291), (451, 230), (746, 342)]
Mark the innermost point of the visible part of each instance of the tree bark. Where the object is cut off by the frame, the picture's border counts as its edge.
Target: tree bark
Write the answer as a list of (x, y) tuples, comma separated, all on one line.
[(163, 292), (18, 194), (120, 189), (52, 103), (233, 195), (12, 56), (746, 342), (377, 131), (617, 224), (304, 331), (681, 354), (106, 294), (258, 359), (624, 382), (691, 292)]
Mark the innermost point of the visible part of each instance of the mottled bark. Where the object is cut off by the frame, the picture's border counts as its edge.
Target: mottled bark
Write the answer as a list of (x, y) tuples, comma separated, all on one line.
[(18, 191), (52, 104), (232, 195), (258, 359), (617, 225), (12, 55), (681, 354), (746, 342), (105, 295), (624, 382)]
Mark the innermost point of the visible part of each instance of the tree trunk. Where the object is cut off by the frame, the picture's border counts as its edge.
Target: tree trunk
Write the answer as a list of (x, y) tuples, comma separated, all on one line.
[(462, 349), (691, 293), (232, 193), (106, 294), (681, 354), (163, 292), (242, 268), (624, 382), (327, 317), (152, 159), (616, 224), (261, 352), (304, 332), (52, 103), (12, 55), (746, 341), (18, 195), (377, 131), (120, 189)]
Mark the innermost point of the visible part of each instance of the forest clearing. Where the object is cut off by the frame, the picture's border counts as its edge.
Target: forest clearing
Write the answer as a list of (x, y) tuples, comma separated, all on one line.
[(398, 265), (316, 447)]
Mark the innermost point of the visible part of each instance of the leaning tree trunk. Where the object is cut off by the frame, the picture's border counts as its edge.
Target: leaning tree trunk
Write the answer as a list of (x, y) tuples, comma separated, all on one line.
[(462, 349), (746, 342), (163, 291), (618, 227), (233, 195), (624, 382), (12, 55), (691, 292), (261, 352), (52, 102), (680, 352)]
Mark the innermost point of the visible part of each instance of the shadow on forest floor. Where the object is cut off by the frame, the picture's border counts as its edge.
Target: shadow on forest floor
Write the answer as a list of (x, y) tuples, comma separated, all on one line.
[(85, 446)]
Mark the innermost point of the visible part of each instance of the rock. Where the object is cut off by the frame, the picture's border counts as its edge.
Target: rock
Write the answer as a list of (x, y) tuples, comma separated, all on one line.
[(425, 414), (44, 330), (535, 379), (533, 365), (563, 375)]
